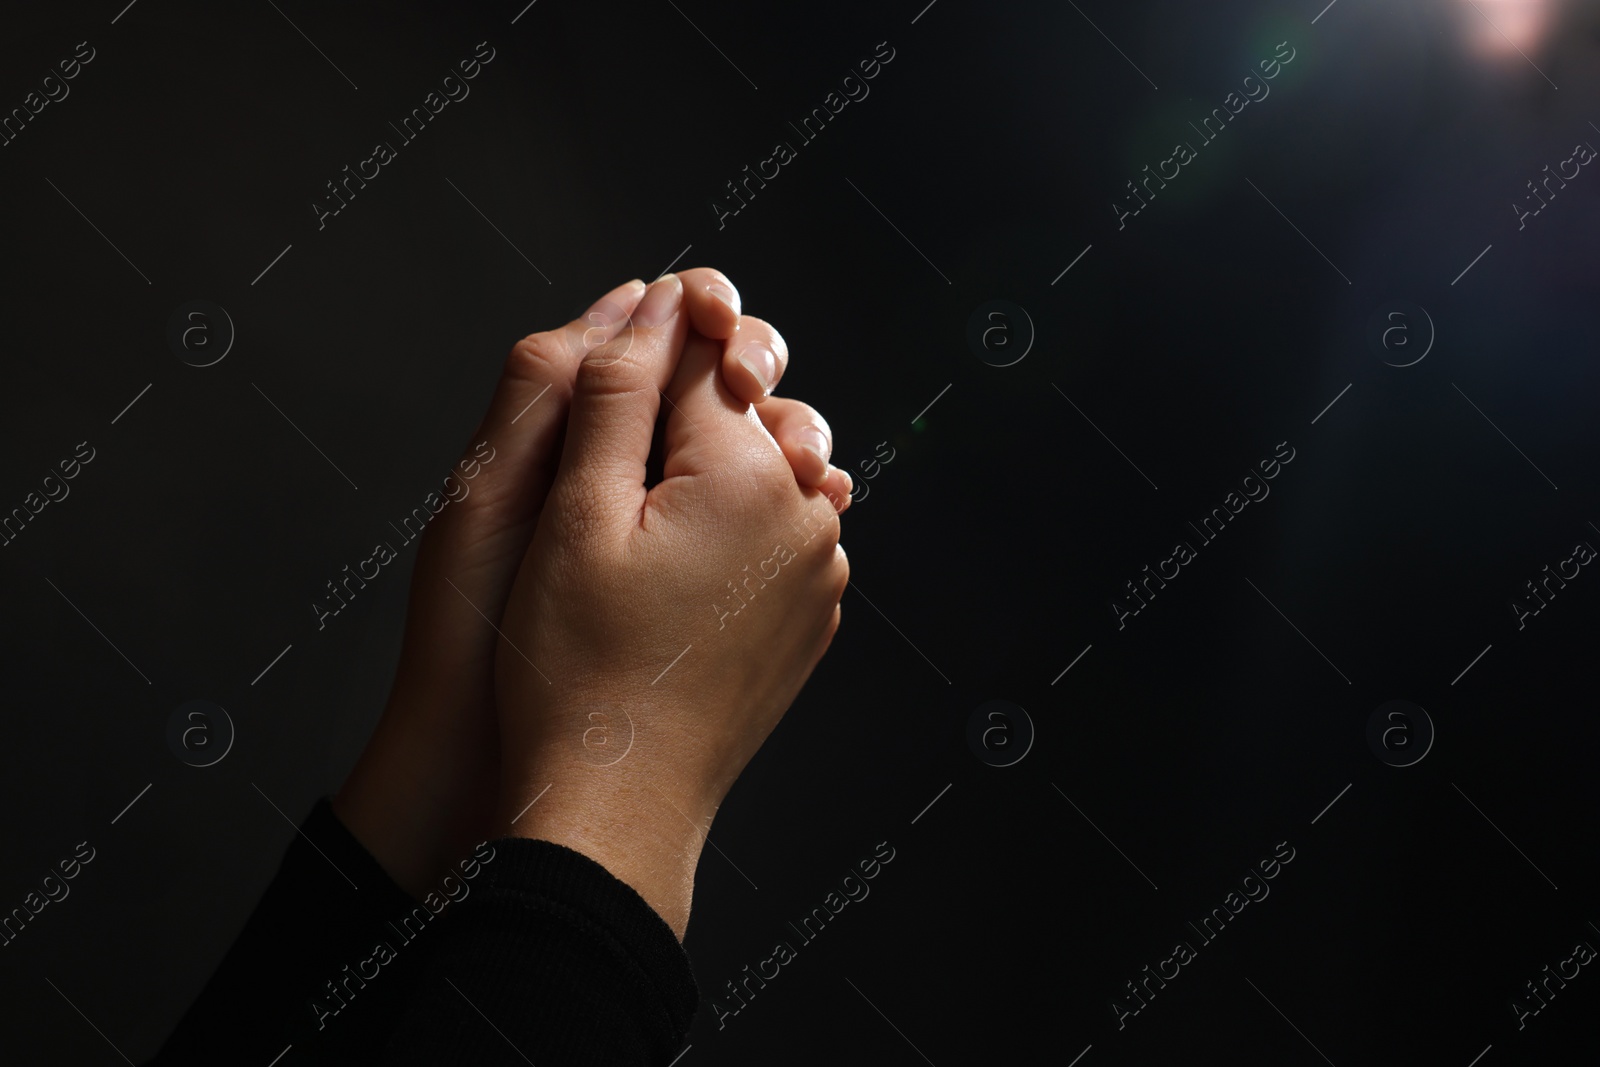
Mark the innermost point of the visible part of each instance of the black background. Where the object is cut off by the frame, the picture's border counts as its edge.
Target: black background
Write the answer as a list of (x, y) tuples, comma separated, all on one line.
[(1197, 338)]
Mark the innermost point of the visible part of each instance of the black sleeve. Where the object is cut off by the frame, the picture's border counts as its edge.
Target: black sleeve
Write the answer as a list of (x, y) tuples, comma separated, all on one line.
[(294, 976), (547, 957), (554, 961)]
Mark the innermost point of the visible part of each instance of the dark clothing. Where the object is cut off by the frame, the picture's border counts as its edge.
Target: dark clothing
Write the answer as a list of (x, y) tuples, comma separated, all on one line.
[(544, 958)]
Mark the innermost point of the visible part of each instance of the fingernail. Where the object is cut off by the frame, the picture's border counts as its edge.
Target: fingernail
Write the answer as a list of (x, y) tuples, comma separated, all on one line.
[(725, 294), (605, 311), (660, 302), (815, 441), (759, 360)]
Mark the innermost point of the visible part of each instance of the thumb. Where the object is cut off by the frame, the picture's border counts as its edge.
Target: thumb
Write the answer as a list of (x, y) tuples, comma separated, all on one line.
[(495, 495), (522, 426), (615, 400)]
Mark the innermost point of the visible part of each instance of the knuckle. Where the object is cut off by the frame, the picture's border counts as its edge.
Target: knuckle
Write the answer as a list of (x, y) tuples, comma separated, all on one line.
[(537, 357), (819, 524), (612, 367), (830, 629), (840, 573), (803, 413), (830, 539), (774, 486), (769, 487)]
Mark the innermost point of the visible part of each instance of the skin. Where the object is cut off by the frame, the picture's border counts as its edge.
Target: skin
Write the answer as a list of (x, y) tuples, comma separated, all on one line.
[(429, 784), (615, 610)]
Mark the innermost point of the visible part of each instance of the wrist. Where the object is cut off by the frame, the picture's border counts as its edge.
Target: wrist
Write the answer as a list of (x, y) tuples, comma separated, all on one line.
[(410, 800), (646, 839)]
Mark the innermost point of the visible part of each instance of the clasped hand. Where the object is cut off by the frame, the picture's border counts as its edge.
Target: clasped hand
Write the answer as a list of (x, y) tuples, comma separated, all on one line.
[(673, 578)]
